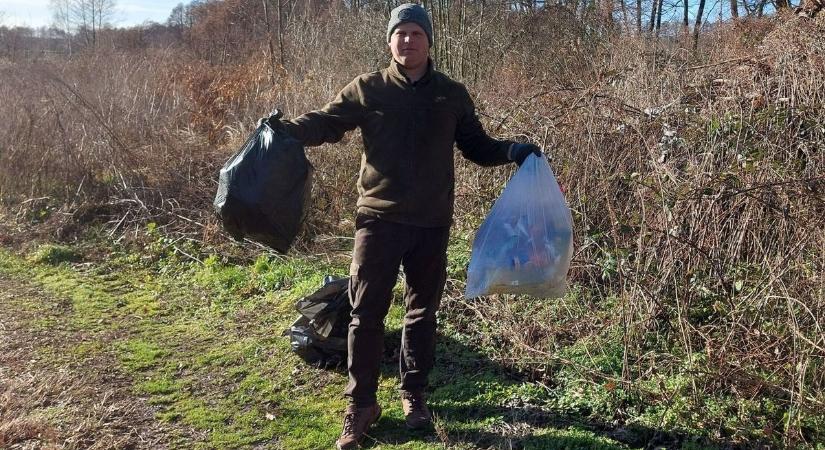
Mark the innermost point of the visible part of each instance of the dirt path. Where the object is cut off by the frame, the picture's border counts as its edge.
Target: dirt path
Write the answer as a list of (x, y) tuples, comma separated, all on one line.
[(52, 396)]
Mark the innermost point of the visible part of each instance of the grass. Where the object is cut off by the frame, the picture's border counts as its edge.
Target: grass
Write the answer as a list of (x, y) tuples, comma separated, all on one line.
[(203, 343), (54, 254)]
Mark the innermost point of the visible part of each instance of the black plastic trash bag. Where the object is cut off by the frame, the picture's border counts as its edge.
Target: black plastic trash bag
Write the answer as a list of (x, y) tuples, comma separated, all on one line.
[(264, 189), (319, 335)]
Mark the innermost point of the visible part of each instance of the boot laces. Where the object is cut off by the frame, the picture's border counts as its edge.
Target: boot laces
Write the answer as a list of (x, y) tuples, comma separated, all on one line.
[(416, 403), (350, 419)]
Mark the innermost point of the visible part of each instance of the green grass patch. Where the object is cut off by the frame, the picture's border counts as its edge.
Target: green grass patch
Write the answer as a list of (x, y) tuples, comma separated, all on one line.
[(54, 254), (204, 344), (139, 354), (159, 386)]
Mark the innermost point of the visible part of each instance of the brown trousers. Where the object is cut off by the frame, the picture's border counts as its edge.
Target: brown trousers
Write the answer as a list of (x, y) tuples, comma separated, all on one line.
[(380, 248)]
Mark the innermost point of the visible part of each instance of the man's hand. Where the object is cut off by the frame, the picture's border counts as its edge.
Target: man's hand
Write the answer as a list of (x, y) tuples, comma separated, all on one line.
[(519, 152), (273, 120)]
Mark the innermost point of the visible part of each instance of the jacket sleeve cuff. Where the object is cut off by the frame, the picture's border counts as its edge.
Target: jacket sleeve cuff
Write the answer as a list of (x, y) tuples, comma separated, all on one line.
[(294, 130)]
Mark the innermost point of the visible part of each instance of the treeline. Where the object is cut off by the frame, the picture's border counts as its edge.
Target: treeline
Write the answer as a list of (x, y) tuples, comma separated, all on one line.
[(223, 30)]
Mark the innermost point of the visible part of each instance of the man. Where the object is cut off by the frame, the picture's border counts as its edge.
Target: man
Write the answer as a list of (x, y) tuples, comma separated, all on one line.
[(410, 116)]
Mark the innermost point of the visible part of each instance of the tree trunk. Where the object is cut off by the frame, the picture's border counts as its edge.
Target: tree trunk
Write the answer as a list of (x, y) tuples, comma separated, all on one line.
[(639, 16), (654, 6), (761, 9), (734, 9), (94, 27), (686, 15), (280, 33), (448, 32), (659, 17), (625, 21), (607, 7), (698, 24), (269, 43), (463, 42)]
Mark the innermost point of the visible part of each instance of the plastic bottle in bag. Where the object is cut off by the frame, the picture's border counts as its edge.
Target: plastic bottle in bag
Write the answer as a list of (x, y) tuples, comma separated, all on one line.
[(525, 244)]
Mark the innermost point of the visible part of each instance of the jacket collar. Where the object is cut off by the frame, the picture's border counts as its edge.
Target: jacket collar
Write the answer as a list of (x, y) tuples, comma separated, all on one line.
[(397, 72)]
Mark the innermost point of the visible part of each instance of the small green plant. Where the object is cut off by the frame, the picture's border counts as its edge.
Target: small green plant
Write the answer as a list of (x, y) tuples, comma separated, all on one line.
[(458, 257), (54, 254), (224, 279)]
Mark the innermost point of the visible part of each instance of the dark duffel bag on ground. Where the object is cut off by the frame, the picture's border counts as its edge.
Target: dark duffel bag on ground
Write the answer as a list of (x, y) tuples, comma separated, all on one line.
[(264, 189), (319, 335)]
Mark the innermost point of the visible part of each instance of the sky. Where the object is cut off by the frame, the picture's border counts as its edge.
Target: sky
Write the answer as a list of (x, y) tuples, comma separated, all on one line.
[(36, 13)]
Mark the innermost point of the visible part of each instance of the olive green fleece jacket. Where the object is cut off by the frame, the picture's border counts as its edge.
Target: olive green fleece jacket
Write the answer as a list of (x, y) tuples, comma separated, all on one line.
[(407, 169)]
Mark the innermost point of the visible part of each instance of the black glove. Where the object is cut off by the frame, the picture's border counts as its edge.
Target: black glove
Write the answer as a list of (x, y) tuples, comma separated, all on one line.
[(520, 152), (273, 120)]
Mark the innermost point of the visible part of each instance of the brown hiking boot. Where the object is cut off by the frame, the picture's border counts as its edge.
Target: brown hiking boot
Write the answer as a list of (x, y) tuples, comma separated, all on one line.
[(416, 413), (356, 423)]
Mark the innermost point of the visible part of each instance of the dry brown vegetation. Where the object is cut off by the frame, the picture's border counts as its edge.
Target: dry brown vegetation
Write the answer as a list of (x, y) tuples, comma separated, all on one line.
[(696, 180)]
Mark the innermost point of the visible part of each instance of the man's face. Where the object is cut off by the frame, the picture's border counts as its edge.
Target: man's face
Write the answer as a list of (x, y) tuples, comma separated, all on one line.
[(409, 45)]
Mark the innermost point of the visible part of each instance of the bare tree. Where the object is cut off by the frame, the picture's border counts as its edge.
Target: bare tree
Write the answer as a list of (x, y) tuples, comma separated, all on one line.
[(734, 9), (270, 44), (659, 16), (606, 9), (177, 18), (61, 20), (14, 41), (83, 17), (181, 20), (93, 15), (639, 16), (698, 24)]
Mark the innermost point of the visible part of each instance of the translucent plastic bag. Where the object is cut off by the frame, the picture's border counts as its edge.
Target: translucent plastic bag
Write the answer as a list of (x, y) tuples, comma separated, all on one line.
[(525, 244)]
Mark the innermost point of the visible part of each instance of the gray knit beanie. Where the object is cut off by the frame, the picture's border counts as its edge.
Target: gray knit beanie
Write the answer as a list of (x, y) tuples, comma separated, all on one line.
[(410, 12)]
